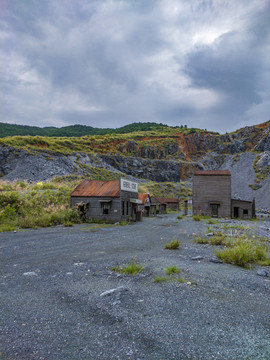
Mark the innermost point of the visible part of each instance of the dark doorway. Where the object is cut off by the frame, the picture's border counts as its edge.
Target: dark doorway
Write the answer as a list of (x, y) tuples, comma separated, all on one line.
[(214, 210), (236, 212)]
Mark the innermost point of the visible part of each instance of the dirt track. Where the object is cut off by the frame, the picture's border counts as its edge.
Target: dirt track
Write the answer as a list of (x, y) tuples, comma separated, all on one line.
[(52, 308)]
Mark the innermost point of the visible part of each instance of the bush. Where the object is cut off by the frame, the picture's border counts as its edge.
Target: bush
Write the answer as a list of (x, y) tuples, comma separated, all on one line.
[(196, 218), (173, 245), (8, 213)]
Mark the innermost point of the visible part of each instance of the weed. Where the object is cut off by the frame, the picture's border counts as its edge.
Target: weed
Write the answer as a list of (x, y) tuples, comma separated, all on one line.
[(243, 253), (130, 269), (172, 270), (212, 222), (179, 217), (160, 279), (173, 245), (6, 227), (196, 218), (265, 262)]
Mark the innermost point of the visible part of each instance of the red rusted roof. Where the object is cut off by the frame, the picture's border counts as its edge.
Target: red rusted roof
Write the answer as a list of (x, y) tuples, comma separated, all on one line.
[(143, 197), (97, 188), (166, 201), (213, 172)]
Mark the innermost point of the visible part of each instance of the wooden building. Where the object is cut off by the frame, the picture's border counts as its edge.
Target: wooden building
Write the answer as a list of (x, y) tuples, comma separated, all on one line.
[(107, 200), (147, 206), (161, 206), (243, 209), (212, 193), (171, 203), (212, 196)]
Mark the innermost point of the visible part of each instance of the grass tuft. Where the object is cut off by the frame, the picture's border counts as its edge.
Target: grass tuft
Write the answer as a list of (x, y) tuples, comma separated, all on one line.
[(130, 269), (160, 279), (243, 253), (173, 245), (172, 270)]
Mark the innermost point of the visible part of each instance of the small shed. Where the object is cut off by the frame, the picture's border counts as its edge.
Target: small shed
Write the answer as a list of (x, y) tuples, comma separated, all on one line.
[(107, 200), (161, 206), (171, 203), (243, 209), (148, 207)]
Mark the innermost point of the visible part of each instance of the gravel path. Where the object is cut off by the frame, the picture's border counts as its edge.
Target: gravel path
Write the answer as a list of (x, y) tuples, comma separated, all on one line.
[(55, 302)]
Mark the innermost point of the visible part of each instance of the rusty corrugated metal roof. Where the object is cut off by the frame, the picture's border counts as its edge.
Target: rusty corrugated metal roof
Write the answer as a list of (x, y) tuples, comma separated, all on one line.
[(143, 197), (213, 172), (97, 188)]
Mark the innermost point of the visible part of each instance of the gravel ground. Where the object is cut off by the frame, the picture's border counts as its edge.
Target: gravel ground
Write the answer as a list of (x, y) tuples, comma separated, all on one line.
[(55, 302)]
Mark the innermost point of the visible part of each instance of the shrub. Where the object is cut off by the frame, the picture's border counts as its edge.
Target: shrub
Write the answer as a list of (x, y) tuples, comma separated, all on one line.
[(8, 213), (196, 218), (179, 217), (172, 270), (173, 245), (6, 227)]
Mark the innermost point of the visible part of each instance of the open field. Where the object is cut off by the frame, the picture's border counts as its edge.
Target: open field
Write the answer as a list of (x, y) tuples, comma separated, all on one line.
[(183, 304)]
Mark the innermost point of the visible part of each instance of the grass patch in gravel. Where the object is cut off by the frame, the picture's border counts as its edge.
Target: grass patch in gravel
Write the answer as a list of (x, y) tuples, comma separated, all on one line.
[(173, 245), (212, 222), (129, 269), (160, 279), (244, 252), (219, 239), (172, 270)]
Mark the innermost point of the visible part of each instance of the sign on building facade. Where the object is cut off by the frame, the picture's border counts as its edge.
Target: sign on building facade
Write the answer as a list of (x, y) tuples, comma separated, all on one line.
[(127, 185)]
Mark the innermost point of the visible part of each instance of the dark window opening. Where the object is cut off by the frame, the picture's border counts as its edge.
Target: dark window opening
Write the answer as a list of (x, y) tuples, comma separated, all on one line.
[(123, 208), (127, 207), (106, 208), (245, 212)]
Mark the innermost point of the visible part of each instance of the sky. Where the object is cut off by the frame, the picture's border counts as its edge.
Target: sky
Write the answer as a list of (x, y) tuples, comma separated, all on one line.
[(109, 63)]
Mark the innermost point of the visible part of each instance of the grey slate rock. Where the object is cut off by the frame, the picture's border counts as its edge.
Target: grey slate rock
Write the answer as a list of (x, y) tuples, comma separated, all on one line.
[(263, 272)]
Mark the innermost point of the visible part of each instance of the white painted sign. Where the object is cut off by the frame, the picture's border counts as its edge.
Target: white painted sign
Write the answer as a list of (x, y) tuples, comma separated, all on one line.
[(135, 201), (128, 185)]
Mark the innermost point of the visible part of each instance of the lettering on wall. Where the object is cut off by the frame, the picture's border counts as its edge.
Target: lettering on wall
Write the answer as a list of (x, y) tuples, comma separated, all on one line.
[(128, 185)]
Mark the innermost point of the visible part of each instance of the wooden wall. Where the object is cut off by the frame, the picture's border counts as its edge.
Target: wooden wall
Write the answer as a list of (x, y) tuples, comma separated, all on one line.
[(242, 205), (212, 189), (120, 208)]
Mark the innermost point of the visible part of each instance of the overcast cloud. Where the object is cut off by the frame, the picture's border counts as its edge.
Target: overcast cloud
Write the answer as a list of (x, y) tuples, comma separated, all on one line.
[(108, 63)]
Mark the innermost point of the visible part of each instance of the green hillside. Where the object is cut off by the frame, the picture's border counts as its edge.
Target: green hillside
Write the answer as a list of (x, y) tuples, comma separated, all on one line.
[(74, 130)]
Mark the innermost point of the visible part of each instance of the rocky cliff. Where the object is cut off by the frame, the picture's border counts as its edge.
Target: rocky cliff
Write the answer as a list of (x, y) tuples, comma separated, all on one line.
[(246, 153)]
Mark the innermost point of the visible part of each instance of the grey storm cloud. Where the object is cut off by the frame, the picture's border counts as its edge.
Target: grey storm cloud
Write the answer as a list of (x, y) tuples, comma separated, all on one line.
[(108, 63)]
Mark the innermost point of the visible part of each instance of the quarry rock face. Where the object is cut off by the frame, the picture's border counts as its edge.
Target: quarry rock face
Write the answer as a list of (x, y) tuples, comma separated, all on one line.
[(246, 153)]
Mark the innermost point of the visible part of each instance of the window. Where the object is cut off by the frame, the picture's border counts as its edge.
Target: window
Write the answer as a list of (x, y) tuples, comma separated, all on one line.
[(123, 208), (127, 207), (245, 211)]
